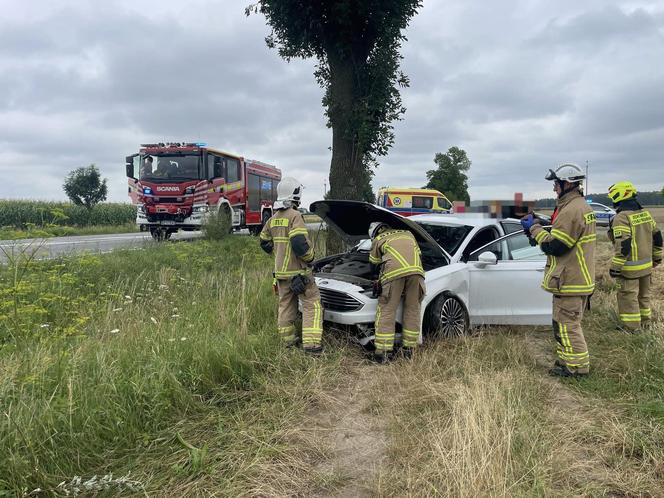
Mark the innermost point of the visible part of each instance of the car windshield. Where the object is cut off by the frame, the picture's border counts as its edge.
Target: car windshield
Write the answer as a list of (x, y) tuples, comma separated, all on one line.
[(449, 237), (166, 168)]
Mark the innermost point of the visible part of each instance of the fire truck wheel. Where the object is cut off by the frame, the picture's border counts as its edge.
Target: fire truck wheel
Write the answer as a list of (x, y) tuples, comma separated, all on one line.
[(160, 234), (225, 211), (266, 216)]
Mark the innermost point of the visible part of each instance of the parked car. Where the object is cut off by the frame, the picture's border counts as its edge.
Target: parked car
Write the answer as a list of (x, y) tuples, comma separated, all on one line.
[(478, 271), (602, 213)]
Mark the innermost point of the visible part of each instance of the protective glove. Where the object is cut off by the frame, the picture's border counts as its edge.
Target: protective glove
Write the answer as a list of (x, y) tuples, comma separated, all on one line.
[(613, 273), (527, 222), (377, 288), (298, 284)]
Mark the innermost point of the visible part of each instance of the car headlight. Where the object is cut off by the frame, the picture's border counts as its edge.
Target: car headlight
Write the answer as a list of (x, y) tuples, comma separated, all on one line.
[(200, 209), (189, 190)]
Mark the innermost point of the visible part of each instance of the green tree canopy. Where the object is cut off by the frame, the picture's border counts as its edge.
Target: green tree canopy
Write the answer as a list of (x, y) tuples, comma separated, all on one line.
[(450, 175), (85, 187), (356, 44)]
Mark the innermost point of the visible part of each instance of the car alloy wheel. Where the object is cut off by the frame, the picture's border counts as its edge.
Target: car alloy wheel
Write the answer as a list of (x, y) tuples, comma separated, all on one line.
[(452, 318)]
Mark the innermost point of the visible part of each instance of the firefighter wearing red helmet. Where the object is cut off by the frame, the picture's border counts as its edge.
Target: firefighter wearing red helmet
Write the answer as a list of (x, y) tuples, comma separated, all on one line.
[(637, 246), (570, 268), (285, 235)]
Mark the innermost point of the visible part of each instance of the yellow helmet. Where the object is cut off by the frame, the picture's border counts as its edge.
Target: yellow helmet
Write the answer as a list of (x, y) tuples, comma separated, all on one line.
[(621, 191)]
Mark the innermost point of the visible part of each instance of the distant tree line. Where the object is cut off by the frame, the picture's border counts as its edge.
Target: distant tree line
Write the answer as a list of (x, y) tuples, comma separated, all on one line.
[(654, 198)]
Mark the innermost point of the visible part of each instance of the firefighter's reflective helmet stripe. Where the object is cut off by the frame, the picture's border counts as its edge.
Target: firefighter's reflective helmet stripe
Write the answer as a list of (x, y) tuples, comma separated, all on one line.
[(622, 191)]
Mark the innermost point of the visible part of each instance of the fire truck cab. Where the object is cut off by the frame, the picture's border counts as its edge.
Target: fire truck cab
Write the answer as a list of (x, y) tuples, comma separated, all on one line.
[(175, 186)]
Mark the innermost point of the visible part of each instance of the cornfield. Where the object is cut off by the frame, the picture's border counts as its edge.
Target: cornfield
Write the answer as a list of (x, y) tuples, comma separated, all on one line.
[(26, 213)]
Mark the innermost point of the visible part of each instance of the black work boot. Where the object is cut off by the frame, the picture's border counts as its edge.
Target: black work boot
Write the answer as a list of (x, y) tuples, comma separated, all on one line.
[(381, 358), (563, 371), (313, 350), (621, 328), (407, 353)]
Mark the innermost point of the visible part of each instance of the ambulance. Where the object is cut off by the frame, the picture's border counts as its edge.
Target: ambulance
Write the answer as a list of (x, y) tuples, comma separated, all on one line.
[(410, 201)]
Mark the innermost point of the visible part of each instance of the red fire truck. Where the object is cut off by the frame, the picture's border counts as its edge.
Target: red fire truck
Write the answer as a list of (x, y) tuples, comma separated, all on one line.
[(176, 185)]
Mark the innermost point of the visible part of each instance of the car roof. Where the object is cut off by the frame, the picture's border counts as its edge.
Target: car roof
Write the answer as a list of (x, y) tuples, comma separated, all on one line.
[(470, 219)]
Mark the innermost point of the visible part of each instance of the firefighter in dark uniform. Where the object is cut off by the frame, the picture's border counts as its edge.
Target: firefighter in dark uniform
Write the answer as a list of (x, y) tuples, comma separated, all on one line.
[(285, 235), (401, 276), (570, 268), (637, 246)]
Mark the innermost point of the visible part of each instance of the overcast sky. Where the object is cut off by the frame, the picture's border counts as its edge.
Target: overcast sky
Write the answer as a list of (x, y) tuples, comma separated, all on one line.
[(519, 84)]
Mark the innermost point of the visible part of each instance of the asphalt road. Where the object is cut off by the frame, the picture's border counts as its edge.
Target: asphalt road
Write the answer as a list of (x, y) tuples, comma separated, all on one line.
[(60, 246)]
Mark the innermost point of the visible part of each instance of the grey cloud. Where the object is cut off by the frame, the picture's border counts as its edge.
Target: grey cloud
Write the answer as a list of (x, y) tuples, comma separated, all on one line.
[(598, 28)]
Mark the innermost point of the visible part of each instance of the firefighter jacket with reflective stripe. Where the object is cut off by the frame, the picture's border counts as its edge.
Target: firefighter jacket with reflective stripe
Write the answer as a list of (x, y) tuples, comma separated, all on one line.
[(634, 234), (287, 231), (398, 253), (571, 273)]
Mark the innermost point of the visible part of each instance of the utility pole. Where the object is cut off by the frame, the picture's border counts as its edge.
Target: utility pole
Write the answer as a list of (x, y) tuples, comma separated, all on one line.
[(587, 181), (324, 188)]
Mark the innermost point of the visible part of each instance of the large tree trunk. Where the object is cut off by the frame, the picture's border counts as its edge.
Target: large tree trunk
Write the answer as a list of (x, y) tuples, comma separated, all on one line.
[(348, 179)]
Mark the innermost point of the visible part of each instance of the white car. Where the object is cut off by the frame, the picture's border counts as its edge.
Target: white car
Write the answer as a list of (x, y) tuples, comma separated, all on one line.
[(478, 271), (603, 213)]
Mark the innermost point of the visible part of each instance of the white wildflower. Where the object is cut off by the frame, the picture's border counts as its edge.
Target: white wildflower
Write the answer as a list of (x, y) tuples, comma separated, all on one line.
[(172, 339), (162, 286), (128, 297), (115, 331), (183, 338), (45, 325), (175, 316), (153, 320)]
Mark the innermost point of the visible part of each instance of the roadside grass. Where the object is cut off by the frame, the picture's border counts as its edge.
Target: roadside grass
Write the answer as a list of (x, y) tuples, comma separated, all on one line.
[(166, 355), (163, 364), (11, 233), (479, 416)]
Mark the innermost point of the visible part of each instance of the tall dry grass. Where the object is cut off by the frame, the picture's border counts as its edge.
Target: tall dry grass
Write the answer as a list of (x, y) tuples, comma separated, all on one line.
[(479, 416)]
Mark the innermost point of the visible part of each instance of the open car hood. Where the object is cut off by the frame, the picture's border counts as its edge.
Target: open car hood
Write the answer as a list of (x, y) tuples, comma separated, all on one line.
[(351, 219)]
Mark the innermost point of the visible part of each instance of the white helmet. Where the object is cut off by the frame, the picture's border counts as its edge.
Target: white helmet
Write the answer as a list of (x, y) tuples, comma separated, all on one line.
[(376, 227), (566, 172), (289, 193)]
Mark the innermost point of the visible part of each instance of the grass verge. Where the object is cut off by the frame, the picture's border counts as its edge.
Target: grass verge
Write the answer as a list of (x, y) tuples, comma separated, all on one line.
[(10, 233), (161, 363)]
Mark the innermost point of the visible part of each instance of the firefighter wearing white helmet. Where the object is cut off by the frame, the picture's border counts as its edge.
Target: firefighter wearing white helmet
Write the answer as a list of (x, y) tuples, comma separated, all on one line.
[(285, 235), (401, 277), (570, 269)]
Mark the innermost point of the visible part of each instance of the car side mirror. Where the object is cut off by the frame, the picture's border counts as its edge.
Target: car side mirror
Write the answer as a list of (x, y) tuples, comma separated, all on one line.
[(487, 258)]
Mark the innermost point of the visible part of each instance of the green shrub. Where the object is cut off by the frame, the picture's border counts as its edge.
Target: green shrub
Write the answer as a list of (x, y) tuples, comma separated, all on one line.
[(218, 225)]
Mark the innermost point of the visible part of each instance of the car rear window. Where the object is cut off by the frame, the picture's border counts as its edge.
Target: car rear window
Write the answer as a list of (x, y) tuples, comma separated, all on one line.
[(449, 237)]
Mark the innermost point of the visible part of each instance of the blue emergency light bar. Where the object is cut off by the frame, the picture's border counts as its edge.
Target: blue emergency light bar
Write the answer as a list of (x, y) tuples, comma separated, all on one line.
[(175, 144)]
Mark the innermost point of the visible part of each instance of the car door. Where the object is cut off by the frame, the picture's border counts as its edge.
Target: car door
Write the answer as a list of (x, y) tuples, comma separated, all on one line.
[(505, 288)]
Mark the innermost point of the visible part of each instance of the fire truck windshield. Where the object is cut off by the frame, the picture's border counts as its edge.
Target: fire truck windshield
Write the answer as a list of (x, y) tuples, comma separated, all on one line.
[(169, 168)]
